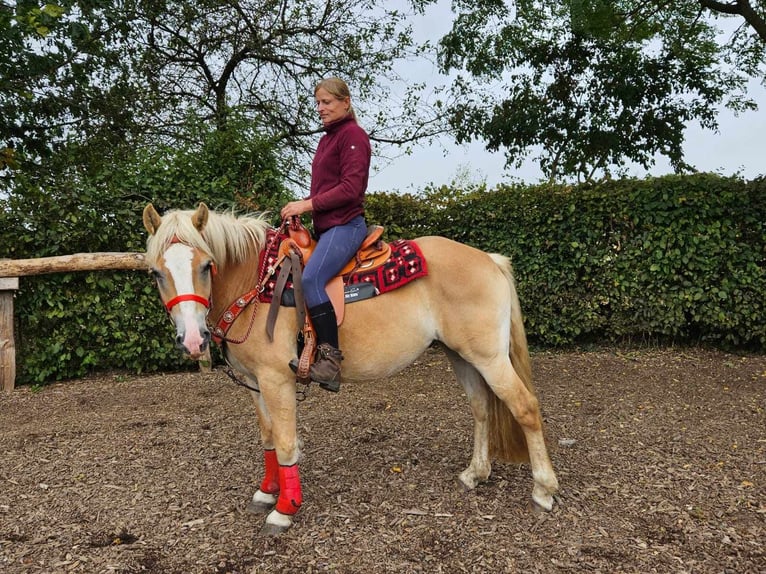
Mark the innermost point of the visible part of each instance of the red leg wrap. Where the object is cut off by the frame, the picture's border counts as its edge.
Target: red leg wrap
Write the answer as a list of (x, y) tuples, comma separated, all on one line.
[(270, 483), (290, 495)]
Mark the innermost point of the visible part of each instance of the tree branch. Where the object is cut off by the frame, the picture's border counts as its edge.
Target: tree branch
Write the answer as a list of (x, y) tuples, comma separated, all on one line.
[(739, 8), (723, 7)]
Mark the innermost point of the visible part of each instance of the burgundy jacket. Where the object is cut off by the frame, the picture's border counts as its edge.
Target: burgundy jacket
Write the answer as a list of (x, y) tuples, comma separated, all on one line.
[(339, 174)]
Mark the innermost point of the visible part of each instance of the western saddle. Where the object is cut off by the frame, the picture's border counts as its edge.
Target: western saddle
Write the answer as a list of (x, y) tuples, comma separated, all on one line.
[(294, 252)]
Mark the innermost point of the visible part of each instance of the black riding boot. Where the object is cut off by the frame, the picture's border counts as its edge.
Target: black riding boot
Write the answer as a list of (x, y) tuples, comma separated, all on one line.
[(326, 369)]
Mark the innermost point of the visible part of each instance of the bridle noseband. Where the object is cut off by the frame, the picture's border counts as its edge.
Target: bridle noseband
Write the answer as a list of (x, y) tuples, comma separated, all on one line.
[(187, 297)]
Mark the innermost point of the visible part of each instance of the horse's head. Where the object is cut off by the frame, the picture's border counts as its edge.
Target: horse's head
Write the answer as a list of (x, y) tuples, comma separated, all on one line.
[(183, 269)]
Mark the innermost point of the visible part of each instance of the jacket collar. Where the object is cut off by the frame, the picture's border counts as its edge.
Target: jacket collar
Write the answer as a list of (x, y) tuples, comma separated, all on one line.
[(333, 126)]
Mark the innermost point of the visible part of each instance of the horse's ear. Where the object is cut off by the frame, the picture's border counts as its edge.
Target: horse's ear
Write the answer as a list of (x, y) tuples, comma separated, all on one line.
[(152, 219), (199, 219)]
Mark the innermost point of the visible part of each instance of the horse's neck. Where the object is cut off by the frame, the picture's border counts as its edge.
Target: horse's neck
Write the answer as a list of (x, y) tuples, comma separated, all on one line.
[(233, 281)]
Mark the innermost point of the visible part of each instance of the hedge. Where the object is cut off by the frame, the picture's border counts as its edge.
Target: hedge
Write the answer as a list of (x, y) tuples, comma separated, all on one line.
[(677, 258)]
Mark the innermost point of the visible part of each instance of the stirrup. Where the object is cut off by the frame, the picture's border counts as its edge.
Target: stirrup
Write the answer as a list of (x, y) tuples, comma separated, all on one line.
[(332, 386)]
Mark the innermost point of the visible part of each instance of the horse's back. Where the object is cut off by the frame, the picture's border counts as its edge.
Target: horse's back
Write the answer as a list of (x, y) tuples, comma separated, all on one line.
[(464, 300), (463, 279)]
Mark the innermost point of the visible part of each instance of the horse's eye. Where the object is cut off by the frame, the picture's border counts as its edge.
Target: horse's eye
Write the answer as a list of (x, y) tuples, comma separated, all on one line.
[(155, 274)]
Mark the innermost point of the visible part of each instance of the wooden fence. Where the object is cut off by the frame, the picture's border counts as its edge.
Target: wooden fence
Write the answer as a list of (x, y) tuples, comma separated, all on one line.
[(12, 269)]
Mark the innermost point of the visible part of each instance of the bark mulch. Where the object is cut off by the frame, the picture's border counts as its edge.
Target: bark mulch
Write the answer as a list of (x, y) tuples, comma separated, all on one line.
[(661, 456)]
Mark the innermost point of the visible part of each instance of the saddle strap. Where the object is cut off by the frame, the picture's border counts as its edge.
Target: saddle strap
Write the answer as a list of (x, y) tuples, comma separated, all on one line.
[(291, 264), (279, 287), (309, 338), (307, 356)]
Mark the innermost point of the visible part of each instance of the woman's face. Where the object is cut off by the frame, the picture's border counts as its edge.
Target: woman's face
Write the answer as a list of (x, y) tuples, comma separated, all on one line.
[(329, 107)]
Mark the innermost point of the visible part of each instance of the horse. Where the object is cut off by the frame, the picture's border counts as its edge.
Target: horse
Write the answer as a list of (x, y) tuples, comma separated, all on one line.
[(204, 261)]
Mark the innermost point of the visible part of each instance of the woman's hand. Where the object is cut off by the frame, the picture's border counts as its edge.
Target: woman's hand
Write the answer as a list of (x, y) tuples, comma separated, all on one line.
[(295, 208)]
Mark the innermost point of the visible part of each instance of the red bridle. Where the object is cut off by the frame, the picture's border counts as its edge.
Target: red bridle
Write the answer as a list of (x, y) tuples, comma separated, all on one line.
[(187, 297)]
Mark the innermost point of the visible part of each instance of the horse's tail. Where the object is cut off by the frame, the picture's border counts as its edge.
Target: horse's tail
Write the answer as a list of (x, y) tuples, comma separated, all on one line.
[(506, 438)]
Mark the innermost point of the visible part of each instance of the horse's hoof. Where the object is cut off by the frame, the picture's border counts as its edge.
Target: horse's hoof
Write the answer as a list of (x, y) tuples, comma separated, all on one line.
[(542, 498), (257, 507), (468, 481), (272, 530)]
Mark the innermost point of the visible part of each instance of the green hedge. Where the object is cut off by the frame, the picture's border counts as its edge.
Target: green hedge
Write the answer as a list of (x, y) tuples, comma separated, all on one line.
[(70, 324), (677, 258), (673, 259)]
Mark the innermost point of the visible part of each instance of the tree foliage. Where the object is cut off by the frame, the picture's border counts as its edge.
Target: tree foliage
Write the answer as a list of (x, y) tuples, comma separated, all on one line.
[(263, 58), (133, 73), (593, 85), (62, 78)]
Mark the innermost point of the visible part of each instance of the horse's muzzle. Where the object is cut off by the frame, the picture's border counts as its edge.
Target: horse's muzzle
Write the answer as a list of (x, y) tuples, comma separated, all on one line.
[(195, 347)]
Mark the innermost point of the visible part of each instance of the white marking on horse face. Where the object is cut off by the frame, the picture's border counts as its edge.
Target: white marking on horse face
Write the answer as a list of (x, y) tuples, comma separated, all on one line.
[(178, 262)]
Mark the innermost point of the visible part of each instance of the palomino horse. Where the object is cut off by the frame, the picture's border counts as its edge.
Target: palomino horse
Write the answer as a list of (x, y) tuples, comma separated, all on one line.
[(205, 261)]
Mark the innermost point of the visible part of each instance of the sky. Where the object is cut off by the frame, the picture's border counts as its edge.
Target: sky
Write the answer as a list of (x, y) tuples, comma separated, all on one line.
[(739, 146)]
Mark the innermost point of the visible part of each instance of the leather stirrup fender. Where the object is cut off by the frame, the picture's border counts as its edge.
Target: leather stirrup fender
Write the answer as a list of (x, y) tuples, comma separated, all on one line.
[(290, 265), (279, 287)]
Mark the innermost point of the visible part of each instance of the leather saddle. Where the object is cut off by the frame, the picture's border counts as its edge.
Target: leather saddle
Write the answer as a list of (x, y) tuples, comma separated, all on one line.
[(371, 254), (294, 252)]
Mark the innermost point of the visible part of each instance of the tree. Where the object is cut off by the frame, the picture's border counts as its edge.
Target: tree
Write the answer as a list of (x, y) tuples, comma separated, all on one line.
[(595, 85), (262, 58), (134, 73), (61, 78)]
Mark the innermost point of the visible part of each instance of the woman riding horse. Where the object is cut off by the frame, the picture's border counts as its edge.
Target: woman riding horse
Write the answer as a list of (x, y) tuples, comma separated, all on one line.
[(207, 263), (339, 175)]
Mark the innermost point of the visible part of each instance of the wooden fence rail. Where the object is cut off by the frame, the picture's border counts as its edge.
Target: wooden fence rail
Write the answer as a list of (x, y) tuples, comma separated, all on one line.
[(12, 269), (78, 262)]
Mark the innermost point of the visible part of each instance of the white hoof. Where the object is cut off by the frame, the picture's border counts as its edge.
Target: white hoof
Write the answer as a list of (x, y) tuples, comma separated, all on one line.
[(469, 479), (276, 523), (542, 498), (261, 503)]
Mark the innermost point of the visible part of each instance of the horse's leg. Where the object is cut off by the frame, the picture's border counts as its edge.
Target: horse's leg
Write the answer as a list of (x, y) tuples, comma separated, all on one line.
[(265, 497), (481, 466), (278, 395), (508, 386)]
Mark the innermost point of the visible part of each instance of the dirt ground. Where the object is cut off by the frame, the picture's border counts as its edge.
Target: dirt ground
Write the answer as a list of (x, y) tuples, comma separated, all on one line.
[(661, 455)]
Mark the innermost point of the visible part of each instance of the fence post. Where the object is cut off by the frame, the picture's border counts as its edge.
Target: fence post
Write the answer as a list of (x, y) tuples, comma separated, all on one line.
[(7, 342)]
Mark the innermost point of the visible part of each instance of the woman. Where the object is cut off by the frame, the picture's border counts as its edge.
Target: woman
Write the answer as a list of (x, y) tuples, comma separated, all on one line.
[(339, 175)]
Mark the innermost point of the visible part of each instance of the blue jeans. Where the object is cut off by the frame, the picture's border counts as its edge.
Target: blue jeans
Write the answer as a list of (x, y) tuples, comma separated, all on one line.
[(335, 248)]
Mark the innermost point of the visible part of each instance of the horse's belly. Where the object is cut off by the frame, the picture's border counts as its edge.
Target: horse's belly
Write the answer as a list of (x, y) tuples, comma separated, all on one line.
[(382, 336)]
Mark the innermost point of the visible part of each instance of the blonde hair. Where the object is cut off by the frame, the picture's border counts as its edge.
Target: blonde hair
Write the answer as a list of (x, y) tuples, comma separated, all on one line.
[(337, 88)]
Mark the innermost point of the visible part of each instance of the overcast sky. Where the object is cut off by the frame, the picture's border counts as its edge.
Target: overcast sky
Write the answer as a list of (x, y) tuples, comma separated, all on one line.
[(737, 148)]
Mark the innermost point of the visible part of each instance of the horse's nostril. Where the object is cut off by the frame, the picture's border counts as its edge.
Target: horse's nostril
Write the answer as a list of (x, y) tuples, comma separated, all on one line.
[(205, 340), (179, 339)]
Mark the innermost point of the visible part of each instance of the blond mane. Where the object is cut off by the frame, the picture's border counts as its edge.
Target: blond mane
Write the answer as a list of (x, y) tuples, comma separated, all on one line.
[(226, 238)]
